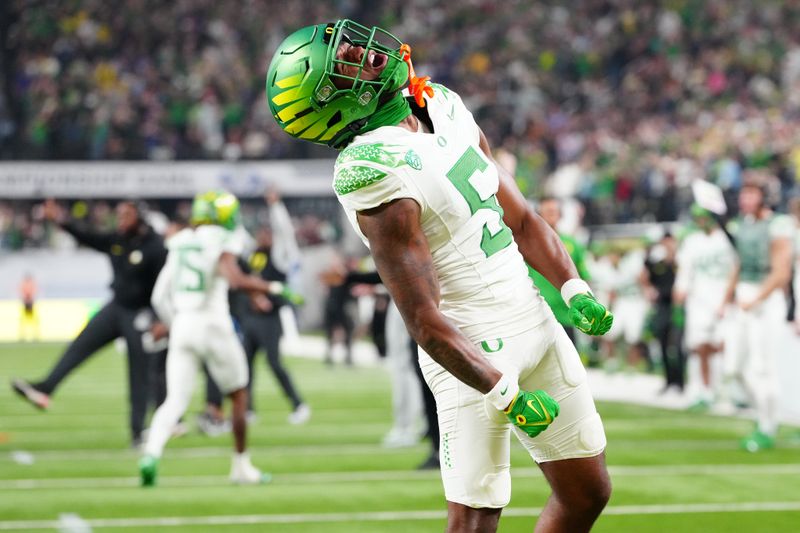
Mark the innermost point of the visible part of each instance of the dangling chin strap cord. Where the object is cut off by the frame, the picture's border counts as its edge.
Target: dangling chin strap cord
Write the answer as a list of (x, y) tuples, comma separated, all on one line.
[(416, 86)]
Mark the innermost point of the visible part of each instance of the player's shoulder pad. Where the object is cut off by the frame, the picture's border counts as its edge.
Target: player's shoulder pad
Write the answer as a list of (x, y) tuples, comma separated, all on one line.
[(446, 107), (443, 94), (212, 235), (178, 239), (363, 164)]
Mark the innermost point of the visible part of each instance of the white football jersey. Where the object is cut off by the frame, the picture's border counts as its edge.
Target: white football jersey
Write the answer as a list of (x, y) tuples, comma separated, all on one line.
[(705, 263), (190, 280), (483, 280), (621, 279)]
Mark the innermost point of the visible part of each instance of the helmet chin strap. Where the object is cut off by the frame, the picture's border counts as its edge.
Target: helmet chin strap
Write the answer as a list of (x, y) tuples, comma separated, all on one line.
[(392, 109), (416, 86)]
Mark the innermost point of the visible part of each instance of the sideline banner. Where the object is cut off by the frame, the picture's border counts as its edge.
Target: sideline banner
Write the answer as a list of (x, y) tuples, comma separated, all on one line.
[(143, 179), (53, 320)]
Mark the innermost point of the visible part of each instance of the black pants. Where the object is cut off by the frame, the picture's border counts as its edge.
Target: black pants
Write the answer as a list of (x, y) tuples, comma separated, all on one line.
[(669, 340), (428, 402), (336, 318), (110, 322), (260, 331), (378, 325)]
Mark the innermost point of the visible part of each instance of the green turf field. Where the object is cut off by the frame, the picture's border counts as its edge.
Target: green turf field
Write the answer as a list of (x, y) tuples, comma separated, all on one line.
[(672, 472)]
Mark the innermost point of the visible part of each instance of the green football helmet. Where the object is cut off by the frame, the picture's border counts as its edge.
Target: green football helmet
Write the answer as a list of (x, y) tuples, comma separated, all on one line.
[(216, 207), (301, 90), (703, 218), (697, 211)]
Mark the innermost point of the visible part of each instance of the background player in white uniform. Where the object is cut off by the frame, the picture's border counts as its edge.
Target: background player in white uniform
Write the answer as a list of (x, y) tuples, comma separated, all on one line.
[(764, 250), (450, 234), (620, 275), (705, 261), (191, 296)]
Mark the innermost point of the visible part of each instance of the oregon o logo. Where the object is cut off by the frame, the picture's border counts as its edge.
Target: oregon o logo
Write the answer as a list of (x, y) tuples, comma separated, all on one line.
[(413, 160)]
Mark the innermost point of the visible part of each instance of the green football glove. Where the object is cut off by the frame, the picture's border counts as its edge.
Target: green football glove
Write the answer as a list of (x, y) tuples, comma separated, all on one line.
[(589, 315), (532, 412), (282, 289)]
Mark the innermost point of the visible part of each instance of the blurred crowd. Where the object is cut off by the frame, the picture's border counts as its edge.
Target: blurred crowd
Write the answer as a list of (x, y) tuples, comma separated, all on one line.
[(617, 102)]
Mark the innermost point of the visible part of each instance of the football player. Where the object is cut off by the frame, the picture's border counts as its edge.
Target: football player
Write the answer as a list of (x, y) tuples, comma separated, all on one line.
[(191, 295), (626, 274), (764, 249), (705, 262), (450, 234), (275, 256)]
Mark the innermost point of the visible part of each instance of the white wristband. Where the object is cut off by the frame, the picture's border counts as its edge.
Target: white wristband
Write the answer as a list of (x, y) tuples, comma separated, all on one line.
[(275, 287), (502, 393), (573, 287)]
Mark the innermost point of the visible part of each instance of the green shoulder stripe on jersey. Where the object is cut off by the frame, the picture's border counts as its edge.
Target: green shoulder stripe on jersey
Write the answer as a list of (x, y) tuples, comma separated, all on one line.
[(351, 179), (441, 88), (379, 153)]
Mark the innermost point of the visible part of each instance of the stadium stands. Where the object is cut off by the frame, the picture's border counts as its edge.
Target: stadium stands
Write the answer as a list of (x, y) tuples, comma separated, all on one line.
[(619, 101)]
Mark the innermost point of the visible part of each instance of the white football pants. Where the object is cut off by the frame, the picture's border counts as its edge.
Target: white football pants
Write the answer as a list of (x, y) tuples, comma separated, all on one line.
[(751, 354), (196, 338)]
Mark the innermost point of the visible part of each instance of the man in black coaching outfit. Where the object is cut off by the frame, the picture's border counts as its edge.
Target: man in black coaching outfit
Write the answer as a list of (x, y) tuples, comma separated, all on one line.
[(137, 254)]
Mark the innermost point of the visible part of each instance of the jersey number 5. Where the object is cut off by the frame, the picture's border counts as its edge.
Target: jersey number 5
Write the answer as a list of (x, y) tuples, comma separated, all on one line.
[(459, 175), (190, 277)]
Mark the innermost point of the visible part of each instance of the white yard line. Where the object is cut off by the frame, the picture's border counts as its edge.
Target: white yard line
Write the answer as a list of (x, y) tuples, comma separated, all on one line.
[(265, 413), (315, 478), (47, 433), (217, 451), (350, 449), (274, 419), (393, 516)]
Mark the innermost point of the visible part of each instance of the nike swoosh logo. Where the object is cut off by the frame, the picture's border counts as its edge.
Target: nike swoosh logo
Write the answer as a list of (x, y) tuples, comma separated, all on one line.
[(502, 392), (452, 112), (548, 419)]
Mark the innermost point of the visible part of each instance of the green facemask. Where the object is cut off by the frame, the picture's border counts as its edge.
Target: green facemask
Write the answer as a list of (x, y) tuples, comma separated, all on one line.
[(302, 80)]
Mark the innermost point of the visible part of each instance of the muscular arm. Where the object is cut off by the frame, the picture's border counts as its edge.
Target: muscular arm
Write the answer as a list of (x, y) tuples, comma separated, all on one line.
[(285, 252), (537, 242), (97, 241), (405, 265), (780, 260), (237, 279), (55, 213)]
